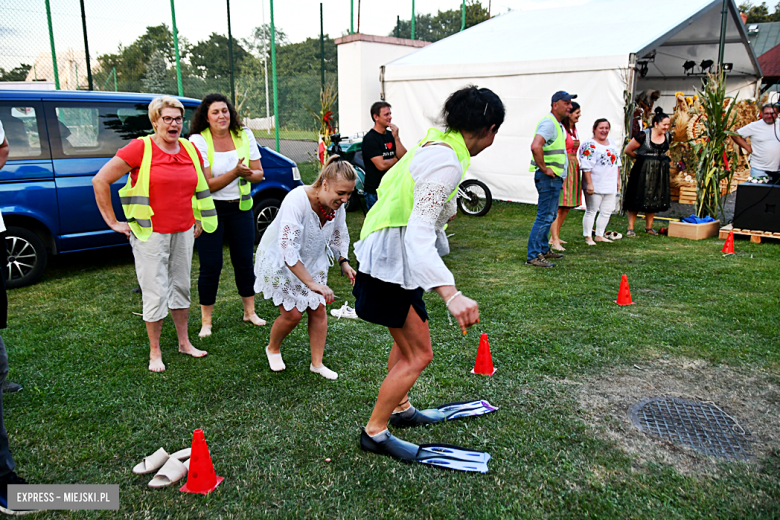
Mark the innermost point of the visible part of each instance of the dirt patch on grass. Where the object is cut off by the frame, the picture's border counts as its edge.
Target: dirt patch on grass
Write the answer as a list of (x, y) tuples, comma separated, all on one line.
[(750, 396)]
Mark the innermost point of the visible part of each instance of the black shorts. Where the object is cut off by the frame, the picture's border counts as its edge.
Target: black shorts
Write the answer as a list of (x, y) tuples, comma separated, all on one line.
[(386, 303)]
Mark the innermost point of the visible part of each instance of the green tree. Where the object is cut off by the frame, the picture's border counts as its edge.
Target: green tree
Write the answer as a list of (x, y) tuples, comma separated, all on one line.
[(445, 23), (211, 58), (261, 39), (18, 73), (130, 61), (759, 13), (156, 79)]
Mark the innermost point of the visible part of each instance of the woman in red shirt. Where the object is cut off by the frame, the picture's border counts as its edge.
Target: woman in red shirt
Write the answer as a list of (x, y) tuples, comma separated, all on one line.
[(163, 262)]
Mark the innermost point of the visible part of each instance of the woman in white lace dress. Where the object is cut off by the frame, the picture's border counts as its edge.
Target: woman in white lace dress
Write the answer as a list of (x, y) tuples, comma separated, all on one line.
[(400, 250), (306, 237)]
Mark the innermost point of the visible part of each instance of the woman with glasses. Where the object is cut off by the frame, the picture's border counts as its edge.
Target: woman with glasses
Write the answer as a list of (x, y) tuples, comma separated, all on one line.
[(308, 235), (233, 158), (167, 205)]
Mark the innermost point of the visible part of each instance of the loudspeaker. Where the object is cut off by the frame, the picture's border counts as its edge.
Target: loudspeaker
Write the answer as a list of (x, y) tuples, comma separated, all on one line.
[(757, 207)]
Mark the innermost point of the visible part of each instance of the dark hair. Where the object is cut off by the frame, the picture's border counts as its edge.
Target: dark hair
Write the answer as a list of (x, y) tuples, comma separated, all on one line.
[(377, 107), (200, 119), (769, 105), (473, 110), (599, 121), (659, 115), (565, 120)]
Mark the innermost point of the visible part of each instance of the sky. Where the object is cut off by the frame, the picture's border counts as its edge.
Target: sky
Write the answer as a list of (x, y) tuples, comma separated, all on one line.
[(24, 30)]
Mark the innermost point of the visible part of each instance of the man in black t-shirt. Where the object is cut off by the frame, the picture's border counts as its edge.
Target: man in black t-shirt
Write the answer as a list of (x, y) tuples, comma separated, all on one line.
[(381, 149)]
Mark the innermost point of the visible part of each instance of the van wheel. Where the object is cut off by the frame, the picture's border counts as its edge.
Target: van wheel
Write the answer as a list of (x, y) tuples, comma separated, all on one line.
[(26, 257), (265, 211)]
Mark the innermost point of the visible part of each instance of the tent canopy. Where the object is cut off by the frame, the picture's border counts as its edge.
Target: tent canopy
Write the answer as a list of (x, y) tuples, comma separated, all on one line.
[(586, 49)]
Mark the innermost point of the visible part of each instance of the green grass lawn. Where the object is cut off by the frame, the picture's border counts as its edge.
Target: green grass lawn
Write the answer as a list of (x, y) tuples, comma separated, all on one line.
[(90, 410)]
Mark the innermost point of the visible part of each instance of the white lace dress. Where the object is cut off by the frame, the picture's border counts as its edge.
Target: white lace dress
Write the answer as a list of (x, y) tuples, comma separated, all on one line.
[(411, 256), (296, 234)]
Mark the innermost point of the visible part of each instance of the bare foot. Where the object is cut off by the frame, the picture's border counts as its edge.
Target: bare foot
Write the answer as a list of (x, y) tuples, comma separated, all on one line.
[(563, 242), (602, 239), (557, 246), (589, 241), (192, 351), (255, 319), (205, 331), (156, 363)]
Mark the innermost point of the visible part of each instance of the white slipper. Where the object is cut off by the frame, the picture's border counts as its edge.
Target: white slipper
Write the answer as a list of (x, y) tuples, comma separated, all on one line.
[(275, 361), (172, 471), (324, 372), (151, 463), (344, 312), (182, 454)]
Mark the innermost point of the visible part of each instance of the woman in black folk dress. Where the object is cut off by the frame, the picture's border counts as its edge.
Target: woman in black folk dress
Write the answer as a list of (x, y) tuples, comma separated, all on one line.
[(648, 188)]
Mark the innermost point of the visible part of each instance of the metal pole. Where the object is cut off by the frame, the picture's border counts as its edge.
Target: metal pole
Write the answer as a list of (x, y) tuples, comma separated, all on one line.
[(722, 47), (463, 15), (412, 19), (175, 50), (351, 16), (230, 54), (86, 47), (53, 51), (265, 69), (322, 52), (273, 75), (398, 26), (113, 71)]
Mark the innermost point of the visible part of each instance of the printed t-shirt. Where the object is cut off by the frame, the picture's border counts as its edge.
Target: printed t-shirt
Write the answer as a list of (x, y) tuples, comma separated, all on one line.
[(172, 183), (376, 145), (548, 130), (765, 141)]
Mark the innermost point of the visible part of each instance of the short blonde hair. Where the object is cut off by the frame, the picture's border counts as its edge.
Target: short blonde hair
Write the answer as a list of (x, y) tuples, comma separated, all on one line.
[(157, 105), (335, 167)]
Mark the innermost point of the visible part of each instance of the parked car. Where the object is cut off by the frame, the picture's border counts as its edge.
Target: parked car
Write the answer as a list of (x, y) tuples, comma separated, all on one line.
[(58, 141)]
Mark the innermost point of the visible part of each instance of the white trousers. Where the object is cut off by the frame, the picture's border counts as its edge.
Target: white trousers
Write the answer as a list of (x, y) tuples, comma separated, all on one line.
[(163, 265), (603, 204)]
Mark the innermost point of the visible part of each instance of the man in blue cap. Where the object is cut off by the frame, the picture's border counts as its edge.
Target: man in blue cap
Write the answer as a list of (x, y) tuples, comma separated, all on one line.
[(549, 166)]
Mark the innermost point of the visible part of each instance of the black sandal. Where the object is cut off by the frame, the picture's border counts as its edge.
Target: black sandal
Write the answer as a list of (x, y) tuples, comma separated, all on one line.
[(651, 231)]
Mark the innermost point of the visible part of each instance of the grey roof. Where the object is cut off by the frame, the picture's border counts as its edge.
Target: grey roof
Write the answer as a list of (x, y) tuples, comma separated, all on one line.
[(767, 37)]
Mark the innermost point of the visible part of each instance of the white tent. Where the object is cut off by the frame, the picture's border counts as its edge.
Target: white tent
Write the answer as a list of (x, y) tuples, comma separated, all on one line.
[(589, 49)]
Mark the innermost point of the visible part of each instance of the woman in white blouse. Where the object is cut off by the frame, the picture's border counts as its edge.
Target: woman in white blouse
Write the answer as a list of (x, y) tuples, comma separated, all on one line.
[(600, 164), (399, 255), (221, 141), (308, 234)]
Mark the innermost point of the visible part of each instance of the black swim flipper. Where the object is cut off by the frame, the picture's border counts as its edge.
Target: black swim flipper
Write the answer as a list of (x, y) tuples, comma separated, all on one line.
[(445, 412), (441, 455)]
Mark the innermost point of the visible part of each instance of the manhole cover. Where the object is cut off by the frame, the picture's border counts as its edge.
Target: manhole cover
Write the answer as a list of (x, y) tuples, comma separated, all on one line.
[(700, 425)]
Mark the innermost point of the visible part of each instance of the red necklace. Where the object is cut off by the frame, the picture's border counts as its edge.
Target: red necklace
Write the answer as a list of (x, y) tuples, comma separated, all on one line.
[(327, 215)]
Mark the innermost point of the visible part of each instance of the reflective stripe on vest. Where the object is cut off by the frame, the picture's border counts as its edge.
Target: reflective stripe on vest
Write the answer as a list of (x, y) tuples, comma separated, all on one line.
[(242, 149), (556, 151), (135, 199), (396, 190)]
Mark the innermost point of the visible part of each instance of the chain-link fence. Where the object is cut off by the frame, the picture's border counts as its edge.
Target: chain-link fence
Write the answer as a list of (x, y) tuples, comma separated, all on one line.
[(45, 44)]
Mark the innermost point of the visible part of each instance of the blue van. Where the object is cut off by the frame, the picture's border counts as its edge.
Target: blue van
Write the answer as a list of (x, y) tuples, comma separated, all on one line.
[(58, 140)]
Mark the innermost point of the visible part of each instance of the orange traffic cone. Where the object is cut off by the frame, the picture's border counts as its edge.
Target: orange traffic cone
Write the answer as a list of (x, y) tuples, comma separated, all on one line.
[(728, 247), (624, 294), (202, 478), (484, 363)]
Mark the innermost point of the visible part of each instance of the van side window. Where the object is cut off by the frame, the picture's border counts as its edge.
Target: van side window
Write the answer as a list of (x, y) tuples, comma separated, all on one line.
[(94, 129), (21, 129)]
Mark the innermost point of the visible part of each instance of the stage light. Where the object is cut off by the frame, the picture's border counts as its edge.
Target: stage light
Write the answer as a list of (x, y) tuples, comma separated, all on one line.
[(688, 67), (728, 67), (706, 64), (642, 67)]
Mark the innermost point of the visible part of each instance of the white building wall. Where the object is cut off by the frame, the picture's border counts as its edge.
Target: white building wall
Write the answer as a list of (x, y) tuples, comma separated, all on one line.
[(360, 57)]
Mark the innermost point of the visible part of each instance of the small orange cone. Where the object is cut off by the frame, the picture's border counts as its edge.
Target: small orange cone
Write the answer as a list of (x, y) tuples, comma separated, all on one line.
[(201, 478), (484, 364), (728, 247), (624, 294)]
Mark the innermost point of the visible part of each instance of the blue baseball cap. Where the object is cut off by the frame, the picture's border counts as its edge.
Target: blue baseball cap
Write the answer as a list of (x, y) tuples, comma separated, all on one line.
[(563, 96)]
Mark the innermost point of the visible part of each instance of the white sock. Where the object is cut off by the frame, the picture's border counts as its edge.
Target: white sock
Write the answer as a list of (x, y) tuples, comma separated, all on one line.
[(324, 372), (275, 361), (381, 436)]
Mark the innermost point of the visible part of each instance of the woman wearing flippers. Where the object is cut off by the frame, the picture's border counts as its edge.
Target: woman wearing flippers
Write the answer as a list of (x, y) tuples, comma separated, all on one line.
[(307, 236), (399, 256), (571, 192), (600, 162), (232, 154)]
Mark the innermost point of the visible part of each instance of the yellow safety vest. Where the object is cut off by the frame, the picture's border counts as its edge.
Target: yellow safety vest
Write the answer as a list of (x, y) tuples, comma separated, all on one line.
[(135, 199), (396, 191), (556, 151), (242, 149)]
